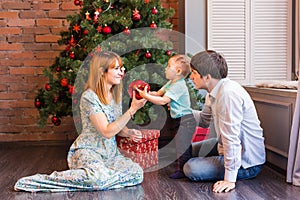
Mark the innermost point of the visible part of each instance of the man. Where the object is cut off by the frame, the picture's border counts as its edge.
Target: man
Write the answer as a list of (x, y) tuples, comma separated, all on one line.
[(241, 150)]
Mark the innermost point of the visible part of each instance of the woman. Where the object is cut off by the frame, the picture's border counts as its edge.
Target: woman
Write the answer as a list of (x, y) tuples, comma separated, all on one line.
[(94, 160)]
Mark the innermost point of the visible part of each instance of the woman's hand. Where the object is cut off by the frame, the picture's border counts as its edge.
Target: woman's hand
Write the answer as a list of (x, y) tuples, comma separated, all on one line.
[(135, 135), (136, 104), (225, 186)]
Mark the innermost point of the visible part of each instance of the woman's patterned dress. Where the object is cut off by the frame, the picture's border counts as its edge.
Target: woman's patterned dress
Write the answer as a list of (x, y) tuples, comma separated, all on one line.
[(94, 161)]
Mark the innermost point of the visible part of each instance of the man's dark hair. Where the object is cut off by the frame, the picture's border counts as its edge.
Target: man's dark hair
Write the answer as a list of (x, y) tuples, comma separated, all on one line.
[(210, 62)]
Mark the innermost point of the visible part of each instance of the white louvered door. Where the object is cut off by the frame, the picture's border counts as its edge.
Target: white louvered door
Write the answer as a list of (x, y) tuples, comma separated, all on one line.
[(254, 36)]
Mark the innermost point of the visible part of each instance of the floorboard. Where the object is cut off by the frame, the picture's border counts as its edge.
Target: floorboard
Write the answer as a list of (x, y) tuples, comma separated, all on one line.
[(18, 160)]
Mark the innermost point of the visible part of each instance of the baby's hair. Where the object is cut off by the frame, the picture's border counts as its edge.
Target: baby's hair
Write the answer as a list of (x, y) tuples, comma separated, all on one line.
[(183, 62)]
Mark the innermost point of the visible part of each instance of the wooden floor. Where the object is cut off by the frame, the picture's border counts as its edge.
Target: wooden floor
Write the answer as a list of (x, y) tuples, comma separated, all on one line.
[(18, 160)]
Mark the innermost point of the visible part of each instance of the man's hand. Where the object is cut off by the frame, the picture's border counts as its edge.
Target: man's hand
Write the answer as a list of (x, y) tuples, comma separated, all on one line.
[(225, 186)]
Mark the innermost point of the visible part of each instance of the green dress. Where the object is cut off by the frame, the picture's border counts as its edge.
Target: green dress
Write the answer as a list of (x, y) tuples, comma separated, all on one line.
[(94, 161)]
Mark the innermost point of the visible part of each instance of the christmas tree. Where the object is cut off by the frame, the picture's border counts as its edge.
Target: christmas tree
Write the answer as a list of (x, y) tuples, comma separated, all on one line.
[(131, 28)]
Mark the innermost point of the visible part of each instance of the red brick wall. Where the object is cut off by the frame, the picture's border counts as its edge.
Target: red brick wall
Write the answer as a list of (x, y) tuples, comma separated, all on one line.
[(28, 34)]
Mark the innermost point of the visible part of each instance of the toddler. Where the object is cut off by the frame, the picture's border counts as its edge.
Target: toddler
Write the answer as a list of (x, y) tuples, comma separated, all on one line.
[(181, 122)]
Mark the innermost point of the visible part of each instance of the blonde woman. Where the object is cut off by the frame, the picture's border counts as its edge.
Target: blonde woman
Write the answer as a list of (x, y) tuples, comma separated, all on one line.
[(94, 160)]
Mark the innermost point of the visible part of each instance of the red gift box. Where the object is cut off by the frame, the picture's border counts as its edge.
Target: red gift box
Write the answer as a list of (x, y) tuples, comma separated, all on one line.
[(200, 134), (145, 151)]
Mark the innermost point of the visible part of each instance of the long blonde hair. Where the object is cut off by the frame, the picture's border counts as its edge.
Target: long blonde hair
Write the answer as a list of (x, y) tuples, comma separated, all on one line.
[(99, 65)]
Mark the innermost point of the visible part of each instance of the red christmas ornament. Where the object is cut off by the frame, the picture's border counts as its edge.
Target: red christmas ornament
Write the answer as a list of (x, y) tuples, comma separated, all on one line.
[(55, 120), (47, 86), (64, 82), (85, 32), (141, 87), (37, 103), (76, 2), (148, 55), (106, 29), (99, 29), (72, 41), (72, 55), (71, 89), (75, 101), (154, 11), (147, 1), (168, 53), (136, 15), (68, 47), (58, 69), (153, 25), (140, 84), (126, 31)]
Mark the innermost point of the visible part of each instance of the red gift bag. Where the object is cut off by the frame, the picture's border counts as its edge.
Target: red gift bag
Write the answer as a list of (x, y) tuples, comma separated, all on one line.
[(200, 134)]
